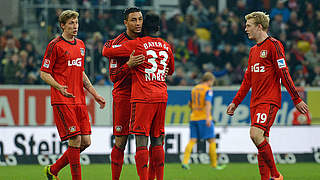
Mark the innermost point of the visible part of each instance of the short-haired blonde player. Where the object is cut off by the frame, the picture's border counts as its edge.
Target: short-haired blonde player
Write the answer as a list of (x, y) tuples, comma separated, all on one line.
[(266, 66), (63, 69), (201, 123)]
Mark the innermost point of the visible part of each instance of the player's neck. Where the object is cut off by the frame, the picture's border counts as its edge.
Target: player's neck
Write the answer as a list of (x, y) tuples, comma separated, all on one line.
[(262, 37), (131, 34), (68, 37)]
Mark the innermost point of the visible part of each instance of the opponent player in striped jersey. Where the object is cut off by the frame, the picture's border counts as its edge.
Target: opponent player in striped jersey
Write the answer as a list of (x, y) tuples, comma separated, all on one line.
[(201, 123), (63, 69), (266, 67)]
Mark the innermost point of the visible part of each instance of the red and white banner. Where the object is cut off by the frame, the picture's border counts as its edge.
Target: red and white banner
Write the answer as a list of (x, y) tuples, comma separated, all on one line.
[(31, 106)]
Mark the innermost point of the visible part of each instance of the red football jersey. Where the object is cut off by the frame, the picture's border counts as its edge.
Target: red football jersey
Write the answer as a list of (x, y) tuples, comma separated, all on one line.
[(64, 60), (119, 71), (148, 79), (266, 65)]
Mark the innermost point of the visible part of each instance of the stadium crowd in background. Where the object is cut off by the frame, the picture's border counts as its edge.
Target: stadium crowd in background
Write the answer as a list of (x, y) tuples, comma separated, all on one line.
[(203, 40)]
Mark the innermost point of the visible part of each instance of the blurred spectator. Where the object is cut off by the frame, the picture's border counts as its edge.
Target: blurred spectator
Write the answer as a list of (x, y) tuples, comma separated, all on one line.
[(88, 24), (181, 52), (280, 9), (198, 11), (12, 70), (193, 45), (10, 48), (316, 78), (205, 57), (24, 39), (163, 24), (277, 26)]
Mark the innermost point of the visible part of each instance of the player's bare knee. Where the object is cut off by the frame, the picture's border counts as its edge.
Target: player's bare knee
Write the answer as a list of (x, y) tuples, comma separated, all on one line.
[(121, 141), (75, 141), (141, 140), (157, 141)]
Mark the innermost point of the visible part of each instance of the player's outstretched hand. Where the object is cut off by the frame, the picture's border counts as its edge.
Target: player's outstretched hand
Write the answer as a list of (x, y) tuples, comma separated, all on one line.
[(230, 109), (135, 60), (63, 91), (302, 107), (101, 101)]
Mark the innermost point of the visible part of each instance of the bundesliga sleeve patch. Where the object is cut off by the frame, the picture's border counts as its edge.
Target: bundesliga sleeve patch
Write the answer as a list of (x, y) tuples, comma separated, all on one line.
[(281, 63), (46, 63), (113, 63)]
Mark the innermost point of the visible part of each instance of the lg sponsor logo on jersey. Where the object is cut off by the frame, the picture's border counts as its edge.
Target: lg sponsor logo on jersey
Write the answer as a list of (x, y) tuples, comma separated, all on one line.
[(76, 62)]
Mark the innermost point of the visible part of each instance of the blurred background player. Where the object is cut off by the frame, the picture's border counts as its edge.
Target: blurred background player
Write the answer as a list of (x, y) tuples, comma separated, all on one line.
[(149, 92), (63, 69), (266, 65), (121, 77), (201, 124)]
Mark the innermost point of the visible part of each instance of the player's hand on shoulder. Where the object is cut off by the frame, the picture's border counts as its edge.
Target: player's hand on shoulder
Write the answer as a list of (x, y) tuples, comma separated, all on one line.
[(302, 107), (135, 60), (230, 109), (101, 101), (64, 92)]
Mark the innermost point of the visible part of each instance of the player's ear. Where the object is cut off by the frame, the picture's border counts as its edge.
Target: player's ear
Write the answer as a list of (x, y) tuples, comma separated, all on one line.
[(62, 26)]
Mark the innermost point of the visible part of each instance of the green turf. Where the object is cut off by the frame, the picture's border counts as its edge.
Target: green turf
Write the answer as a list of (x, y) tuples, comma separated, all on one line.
[(234, 171)]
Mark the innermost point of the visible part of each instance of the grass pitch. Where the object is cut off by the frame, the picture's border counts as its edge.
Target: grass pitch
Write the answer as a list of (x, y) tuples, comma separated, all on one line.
[(234, 171)]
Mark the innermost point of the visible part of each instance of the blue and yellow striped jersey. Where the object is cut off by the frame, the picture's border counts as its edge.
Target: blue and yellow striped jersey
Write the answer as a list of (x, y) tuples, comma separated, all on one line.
[(199, 95)]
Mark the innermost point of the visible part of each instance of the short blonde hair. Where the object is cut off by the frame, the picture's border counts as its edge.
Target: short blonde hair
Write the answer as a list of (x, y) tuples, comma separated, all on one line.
[(208, 76), (67, 14), (259, 18)]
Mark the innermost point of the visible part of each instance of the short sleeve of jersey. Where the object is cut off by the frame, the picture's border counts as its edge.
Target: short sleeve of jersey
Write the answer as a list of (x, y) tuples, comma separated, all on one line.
[(209, 95), (49, 58)]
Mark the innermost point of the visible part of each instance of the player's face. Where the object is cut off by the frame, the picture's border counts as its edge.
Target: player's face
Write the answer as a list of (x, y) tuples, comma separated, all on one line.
[(251, 29), (71, 27), (134, 22)]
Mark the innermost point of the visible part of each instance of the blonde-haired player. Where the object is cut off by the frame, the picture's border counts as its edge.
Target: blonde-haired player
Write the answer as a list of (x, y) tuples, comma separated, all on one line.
[(266, 65)]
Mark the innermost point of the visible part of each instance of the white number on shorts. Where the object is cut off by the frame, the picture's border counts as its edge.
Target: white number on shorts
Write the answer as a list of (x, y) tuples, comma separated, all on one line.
[(261, 117)]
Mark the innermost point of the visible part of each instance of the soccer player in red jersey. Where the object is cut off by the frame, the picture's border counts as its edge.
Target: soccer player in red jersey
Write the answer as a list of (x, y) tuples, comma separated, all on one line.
[(266, 66), (149, 91), (120, 75), (63, 69)]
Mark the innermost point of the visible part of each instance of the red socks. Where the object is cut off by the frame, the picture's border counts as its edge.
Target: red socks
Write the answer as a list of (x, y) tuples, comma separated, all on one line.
[(151, 169), (116, 162), (74, 160), (60, 163), (265, 151), (263, 168), (142, 162), (158, 160)]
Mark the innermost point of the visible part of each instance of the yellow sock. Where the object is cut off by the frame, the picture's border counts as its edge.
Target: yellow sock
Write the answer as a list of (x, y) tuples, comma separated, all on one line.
[(187, 152), (213, 154)]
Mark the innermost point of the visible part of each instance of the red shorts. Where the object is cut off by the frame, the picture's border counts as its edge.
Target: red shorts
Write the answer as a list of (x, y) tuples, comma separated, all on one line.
[(148, 119), (71, 120), (263, 116), (121, 116)]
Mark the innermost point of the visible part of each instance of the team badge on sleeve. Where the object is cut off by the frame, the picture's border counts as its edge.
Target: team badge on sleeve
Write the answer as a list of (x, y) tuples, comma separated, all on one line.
[(46, 63), (263, 53), (281, 63), (82, 51)]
